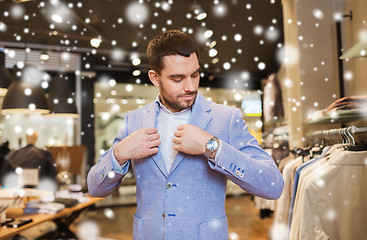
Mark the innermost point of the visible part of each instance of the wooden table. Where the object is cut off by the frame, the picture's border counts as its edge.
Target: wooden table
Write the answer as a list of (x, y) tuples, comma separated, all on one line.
[(63, 219)]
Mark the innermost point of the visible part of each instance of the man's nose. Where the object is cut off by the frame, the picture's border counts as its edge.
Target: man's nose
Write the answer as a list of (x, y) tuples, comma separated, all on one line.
[(189, 85)]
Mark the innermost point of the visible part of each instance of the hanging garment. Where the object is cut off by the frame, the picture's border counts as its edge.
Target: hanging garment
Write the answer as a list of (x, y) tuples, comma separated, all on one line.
[(335, 201), (273, 106), (282, 204), (296, 179), (315, 169)]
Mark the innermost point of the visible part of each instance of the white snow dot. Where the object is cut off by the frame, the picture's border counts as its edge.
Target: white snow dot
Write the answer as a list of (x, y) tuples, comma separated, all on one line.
[(321, 183), (233, 236), (317, 13), (109, 213), (331, 214), (237, 37), (279, 231), (261, 65), (226, 65), (129, 88), (111, 174), (88, 230), (348, 75), (258, 30), (18, 170), (32, 106)]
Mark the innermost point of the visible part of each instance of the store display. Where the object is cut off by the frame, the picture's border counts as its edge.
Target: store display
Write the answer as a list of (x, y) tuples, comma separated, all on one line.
[(324, 193)]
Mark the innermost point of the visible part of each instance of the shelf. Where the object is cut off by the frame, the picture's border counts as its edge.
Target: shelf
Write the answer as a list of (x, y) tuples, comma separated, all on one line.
[(341, 116), (357, 50), (278, 121)]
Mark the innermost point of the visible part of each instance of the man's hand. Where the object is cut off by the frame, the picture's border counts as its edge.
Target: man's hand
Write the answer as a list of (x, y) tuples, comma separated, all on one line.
[(139, 144), (190, 139)]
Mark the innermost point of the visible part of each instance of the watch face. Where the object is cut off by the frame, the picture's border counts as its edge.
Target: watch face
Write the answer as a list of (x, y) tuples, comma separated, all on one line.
[(212, 145)]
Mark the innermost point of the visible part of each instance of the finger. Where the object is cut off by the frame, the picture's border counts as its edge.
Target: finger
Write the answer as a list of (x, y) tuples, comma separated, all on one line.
[(176, 147), (181, 127), (153, 137), (153, 151), (176, 140), (150, 131), (177, 134), (155, 143)]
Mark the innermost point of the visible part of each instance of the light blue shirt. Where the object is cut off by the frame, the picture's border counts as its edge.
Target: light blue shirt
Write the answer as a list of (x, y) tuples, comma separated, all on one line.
[(166, 124)]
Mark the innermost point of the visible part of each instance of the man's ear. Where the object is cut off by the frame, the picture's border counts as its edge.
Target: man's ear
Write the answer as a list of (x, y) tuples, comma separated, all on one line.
[(154, 77)]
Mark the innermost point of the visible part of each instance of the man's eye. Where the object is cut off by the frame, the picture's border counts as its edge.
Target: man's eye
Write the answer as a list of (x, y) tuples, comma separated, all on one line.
[(195, 75)]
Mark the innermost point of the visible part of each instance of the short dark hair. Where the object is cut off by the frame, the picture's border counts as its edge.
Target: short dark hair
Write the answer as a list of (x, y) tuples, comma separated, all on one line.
[(171, 42)]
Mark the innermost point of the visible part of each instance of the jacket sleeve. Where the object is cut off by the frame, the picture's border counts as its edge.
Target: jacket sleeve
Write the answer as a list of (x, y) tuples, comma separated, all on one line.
[(244, 162), (103, 178)]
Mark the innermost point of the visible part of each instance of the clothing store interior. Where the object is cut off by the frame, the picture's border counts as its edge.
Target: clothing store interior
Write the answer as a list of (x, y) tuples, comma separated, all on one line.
[(70, 71)]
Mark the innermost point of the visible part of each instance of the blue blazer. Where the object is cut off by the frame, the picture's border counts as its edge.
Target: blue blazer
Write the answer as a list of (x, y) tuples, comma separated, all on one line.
[(189, 201)]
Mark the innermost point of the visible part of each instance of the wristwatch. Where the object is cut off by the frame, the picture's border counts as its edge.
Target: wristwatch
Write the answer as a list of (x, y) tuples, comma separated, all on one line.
[(211, 146)]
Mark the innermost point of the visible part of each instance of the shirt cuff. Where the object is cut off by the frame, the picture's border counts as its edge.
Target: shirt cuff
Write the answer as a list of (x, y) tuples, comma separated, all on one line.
[(121, 169), (213, 160)]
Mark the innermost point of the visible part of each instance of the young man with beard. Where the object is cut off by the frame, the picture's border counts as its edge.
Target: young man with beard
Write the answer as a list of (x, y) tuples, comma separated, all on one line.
[(183, 149)]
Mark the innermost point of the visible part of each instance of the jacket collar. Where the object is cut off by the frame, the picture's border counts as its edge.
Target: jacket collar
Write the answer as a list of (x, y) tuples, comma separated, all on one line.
[(200, 117)]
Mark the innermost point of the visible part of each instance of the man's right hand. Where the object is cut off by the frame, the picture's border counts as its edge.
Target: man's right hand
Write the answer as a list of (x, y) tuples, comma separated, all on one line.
[(139, 144)]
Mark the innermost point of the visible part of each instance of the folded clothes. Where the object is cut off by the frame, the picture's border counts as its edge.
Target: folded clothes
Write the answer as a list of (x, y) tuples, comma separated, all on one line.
[(40, 207), (68, 202)]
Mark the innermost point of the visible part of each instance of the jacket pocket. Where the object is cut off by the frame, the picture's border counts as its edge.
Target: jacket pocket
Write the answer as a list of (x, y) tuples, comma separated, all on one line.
[(214, 230), (137, 228)]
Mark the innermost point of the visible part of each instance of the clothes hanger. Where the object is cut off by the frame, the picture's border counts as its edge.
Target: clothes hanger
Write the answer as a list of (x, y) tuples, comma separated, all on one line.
[(354, 147)]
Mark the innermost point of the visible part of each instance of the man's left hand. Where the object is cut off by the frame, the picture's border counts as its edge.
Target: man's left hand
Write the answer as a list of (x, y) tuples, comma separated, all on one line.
[(190, 139)]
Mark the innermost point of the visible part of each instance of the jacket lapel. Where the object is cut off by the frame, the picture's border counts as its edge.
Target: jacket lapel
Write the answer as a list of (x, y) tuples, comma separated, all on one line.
[(200, 117), (148, 121)]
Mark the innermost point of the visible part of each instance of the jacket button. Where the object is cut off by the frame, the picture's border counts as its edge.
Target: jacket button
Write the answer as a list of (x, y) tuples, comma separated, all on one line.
[(169, 185), (163, 215)]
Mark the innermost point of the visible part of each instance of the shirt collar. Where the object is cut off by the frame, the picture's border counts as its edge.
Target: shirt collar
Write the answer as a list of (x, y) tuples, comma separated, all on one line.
[(160, 107)]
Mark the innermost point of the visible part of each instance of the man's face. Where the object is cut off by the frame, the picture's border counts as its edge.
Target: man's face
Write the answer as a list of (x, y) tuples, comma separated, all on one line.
[(178, 82)]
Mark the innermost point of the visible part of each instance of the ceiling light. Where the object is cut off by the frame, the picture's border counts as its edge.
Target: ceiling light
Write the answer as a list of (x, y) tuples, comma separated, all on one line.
[(136, 61), (212, 44), (213, 52), (17, 102), (198, 10), (136, 73), (201, 16), (44, 56), (95, 42), (208, 34), (56, 18)]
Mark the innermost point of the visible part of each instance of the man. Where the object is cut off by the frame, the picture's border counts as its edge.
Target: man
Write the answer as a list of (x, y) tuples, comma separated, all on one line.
[(30, 157), (182, 149)]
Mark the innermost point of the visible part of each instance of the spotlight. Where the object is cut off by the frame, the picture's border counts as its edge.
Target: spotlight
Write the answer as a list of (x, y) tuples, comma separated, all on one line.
[(199, 12), (44, 56), (95, 42)]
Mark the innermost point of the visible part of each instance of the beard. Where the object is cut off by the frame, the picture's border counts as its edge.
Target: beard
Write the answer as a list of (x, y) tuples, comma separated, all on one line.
[(177, 103)]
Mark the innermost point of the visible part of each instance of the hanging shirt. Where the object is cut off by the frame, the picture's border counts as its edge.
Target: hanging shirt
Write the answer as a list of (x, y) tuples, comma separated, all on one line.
[(335, 201)]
